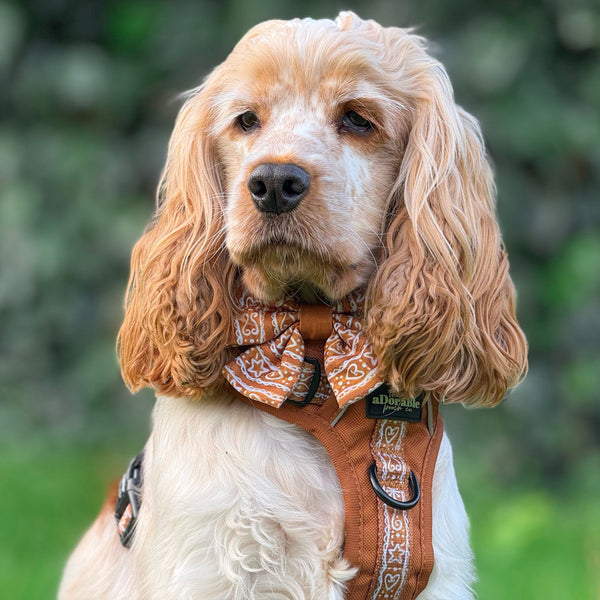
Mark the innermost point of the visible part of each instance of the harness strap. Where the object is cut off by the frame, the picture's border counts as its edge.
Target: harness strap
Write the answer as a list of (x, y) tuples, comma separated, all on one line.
[(129, 500), (316, 321), (392, 548)]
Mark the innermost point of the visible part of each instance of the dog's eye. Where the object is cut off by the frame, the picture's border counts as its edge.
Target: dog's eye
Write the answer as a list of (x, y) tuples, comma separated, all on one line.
[(355, 123), (248, 121)]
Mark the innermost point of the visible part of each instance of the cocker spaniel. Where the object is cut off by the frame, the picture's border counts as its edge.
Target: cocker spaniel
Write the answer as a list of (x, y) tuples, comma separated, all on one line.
[(320, 184)]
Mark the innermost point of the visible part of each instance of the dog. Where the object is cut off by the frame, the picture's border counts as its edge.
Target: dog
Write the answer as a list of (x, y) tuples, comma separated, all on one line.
[(321, 158)]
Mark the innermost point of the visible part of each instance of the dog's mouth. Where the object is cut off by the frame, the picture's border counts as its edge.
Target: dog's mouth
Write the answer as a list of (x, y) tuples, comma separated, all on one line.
[(282, 244), (281, 268), (298, 255), (285, 260)]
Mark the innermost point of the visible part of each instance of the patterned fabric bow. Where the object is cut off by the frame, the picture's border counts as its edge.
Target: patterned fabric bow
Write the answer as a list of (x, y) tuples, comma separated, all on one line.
[(271, 367)]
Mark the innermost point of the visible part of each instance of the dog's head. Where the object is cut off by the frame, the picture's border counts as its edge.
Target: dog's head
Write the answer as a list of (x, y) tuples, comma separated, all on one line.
[(319, 157)]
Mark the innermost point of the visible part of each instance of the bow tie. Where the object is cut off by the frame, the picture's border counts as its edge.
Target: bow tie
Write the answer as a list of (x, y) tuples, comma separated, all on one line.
[(272, 337)]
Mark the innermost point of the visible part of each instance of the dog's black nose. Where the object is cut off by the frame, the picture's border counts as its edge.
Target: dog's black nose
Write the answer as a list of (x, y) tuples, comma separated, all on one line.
[(278, 187)]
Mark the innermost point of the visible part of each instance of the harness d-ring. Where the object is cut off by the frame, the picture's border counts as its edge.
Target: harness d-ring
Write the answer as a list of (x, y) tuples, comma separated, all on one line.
[(385, 497), (314, 383)]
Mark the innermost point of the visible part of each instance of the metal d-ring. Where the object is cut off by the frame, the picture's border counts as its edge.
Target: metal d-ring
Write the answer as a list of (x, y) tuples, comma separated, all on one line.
[(314, 383), (385, 497)]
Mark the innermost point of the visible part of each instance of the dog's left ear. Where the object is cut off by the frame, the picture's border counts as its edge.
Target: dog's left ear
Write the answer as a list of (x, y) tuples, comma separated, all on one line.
[(441, 308)]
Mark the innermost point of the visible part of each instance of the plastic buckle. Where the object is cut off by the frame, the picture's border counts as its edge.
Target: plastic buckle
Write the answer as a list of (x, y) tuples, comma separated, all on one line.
[(129, 500)]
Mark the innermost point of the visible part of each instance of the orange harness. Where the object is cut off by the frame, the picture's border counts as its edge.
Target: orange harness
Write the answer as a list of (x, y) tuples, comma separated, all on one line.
[(379, 461)]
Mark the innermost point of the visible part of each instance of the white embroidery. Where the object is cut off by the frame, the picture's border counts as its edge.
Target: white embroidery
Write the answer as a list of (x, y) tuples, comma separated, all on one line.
[(396, 545)]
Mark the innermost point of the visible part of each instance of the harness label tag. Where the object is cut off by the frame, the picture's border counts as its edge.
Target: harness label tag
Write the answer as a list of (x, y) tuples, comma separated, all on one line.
[(382, 404)]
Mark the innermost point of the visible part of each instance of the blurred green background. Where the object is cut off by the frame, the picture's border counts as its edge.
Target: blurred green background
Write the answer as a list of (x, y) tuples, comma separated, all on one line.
[(88, 95)]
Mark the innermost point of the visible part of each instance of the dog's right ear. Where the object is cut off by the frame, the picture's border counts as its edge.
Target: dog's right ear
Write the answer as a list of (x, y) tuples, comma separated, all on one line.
[(442, 316), (179, 301)]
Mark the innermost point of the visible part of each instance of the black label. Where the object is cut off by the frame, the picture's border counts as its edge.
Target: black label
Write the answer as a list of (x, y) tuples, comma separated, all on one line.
[(382, 404)]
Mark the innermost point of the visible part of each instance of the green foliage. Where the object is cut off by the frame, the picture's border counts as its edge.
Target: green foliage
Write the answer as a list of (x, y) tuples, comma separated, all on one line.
[(573, 278)]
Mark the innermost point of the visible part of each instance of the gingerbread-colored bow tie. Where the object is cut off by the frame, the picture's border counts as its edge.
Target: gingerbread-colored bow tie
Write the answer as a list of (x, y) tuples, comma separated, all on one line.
[(269, 369)]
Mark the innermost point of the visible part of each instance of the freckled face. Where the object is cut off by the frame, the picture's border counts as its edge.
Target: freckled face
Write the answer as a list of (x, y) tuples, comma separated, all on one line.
[(331, 123)]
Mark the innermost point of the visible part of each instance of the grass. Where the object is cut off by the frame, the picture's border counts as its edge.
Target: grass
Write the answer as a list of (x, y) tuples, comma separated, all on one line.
[(529, 544), (46, 502)]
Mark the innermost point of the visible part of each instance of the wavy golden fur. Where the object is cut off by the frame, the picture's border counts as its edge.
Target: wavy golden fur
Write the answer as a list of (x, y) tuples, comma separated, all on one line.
[(417, 192)]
